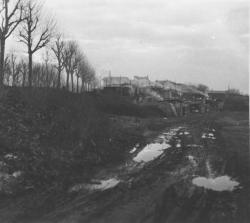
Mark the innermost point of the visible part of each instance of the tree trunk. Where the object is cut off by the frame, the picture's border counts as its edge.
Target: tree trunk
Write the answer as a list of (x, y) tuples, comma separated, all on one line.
[(30, 69), (77, 85), (24, 79), (67, 82), (8, 80), (2, 53), (59, 79), (82, 86), (13, 80), (47, 76), (72, 82)]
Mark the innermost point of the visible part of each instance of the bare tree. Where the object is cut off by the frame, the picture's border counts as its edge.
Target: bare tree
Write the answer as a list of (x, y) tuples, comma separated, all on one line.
[(202, 87), (11, 17), (38, 72), (33, 34), (85, 72), (90, 78), (23, 71), (53, 77), (70, 61), (46, 63), (233, 91), (79, 65), (7, 70), (15, 69), (40, 77), (58, 49)]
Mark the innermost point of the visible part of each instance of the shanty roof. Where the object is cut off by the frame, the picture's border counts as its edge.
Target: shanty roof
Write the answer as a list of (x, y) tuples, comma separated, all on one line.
[(183, 88), (191, 90), (217, 92)]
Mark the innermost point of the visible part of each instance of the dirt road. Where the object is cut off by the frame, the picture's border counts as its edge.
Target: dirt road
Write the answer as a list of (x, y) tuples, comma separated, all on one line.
[(196, 171)]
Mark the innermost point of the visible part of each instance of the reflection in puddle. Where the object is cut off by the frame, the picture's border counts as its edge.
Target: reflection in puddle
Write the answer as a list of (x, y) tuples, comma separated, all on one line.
[(133, 150), (155, 149), (184, 133), (168, 135), (222, 183), (208, 136), (17, 174), (151, 152), (178, 145), (10, 157), (104, 184), (101, 185)]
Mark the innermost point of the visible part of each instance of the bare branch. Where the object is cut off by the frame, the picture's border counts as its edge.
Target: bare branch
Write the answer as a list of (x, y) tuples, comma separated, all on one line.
[(33, 34)]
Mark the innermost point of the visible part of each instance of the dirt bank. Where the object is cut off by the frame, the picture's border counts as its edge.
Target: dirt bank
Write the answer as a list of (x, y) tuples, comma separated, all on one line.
[(51, 140), (74, 161), (203, 176)]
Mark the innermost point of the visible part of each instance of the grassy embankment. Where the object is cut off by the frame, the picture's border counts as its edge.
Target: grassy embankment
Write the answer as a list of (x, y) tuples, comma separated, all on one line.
[(56, 138)]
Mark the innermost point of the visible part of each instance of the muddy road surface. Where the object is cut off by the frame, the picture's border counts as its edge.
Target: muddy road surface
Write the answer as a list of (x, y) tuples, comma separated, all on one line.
[(196, 171)]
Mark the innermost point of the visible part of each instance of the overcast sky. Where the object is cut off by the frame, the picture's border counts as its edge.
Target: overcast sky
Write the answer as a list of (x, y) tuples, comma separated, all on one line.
[(191, 41)]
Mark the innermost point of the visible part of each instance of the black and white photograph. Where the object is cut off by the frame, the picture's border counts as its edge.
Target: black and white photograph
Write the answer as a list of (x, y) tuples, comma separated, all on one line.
[(124, 111)]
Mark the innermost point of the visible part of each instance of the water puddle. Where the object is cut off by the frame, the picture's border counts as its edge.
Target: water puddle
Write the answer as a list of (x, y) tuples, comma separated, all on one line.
[(208, 136), (184, 133), (157, 148), (17, 174), (98, 185), (168, 135), (222, 183), (10, 157), (151, 152), (194, 146), (133, 150), (178, 145)]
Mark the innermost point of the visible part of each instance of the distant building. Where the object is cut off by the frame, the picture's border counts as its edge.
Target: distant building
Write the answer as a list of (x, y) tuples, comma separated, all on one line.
[(172, 90), (116, 81), (177, 89), (141, 81), (217, 95), (167, 85), (187, 89)]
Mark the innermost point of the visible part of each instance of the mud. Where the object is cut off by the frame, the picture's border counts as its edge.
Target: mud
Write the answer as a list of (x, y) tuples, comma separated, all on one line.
[(98, 185), (188, 173), (222, 183)]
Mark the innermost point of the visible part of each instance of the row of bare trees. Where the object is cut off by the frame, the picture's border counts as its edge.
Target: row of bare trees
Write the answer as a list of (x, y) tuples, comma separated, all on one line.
[(64, 64)]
